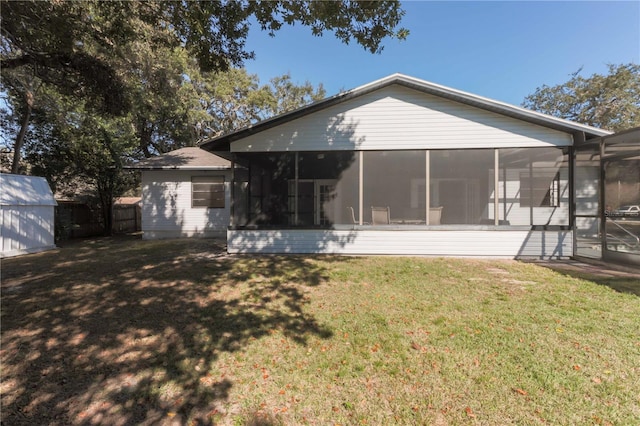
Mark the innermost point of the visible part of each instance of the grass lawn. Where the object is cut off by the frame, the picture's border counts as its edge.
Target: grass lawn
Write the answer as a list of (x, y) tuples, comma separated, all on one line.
[(121, 331)]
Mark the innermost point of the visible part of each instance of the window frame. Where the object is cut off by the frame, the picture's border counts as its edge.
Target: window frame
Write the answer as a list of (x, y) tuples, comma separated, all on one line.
[(211, 202)]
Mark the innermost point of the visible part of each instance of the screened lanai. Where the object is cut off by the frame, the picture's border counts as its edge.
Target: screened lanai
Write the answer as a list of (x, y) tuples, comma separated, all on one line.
[(372, 189), (607, 193)]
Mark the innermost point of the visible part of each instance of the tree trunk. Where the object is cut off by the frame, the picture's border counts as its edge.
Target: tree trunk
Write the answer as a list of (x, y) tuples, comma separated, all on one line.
[(17, 147), (105, 193), (144, 132)]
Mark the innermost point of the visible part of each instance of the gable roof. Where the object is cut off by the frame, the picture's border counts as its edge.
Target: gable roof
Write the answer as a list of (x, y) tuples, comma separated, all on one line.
[(223, 142), (21, 190), (190, 158)]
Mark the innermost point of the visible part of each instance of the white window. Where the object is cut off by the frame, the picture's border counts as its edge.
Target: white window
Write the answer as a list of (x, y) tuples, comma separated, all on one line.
[(207, 191)]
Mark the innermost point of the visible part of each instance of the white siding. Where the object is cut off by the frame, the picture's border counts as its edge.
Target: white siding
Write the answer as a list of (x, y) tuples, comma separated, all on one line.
[(166, 206), (482, 243), (396, 117), (26, 215), (26, 229)]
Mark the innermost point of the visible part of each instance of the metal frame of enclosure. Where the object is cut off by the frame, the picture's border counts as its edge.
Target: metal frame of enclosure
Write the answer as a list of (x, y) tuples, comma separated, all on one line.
[(606, 177)]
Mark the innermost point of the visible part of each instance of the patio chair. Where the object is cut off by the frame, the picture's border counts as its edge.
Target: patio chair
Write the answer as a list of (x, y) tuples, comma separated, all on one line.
[(353, 215), (354, 220), (380, 215), (435, 214)]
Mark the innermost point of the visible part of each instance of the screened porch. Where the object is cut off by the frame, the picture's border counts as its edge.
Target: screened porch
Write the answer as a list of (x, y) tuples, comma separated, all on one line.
[(525, 188)]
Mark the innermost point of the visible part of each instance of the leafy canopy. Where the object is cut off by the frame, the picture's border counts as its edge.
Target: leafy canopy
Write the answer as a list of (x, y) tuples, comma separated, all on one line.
[(76, 46), (609, 101)]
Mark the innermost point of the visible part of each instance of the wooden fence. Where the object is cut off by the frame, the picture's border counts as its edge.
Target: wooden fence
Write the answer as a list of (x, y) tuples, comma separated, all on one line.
[(77, 220), (126, 218), (80, 220)]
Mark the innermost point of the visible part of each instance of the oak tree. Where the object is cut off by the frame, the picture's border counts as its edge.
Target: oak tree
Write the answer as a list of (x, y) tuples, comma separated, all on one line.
[(610, 101)]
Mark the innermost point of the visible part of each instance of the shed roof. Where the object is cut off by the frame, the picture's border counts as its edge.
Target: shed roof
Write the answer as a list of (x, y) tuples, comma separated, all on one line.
[(190, 158), (21, 190), (222, 143)]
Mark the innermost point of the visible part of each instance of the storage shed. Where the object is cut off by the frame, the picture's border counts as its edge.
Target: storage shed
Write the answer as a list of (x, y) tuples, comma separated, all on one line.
[(26, 215)]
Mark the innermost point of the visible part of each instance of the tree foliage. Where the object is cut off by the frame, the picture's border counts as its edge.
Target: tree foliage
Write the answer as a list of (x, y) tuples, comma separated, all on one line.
[(72, 44), (609, 101), (235, 99)]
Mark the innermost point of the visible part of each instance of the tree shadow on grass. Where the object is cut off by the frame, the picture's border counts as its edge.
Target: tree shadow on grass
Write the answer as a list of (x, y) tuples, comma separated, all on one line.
[(119, 331), (623, 279)]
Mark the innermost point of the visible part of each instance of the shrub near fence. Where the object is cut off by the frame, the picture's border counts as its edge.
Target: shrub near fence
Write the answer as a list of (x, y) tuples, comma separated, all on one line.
[(77, 220)]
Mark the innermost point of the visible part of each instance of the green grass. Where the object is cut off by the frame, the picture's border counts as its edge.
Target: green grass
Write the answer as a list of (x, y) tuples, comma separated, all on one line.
[(120, 332)]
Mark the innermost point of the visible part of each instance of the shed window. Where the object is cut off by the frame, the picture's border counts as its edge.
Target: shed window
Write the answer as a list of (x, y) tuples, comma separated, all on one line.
[(207, 191), (542, 189)]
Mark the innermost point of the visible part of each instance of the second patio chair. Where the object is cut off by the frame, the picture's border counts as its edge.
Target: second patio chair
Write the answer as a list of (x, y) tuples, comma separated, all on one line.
[(380, 215)]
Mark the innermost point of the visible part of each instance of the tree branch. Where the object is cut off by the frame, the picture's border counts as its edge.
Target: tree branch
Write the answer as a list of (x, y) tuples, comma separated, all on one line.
[(17, 62)]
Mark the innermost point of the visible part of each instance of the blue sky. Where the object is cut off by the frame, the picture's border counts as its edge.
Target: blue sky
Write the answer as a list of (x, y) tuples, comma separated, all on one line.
[(500, 50)]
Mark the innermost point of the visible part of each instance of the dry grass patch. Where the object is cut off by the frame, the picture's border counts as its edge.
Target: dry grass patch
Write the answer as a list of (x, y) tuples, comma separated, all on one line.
[(176, 332)]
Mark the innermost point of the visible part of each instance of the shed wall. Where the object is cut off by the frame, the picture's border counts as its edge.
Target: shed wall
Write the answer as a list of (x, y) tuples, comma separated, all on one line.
[(26, 229), (396, 117), (166, 206)]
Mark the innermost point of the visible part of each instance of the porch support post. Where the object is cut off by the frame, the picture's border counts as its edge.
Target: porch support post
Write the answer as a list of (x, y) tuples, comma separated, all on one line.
[(360, 187), (295, 191), (601, 199), (530, 189), (571, 186), (249, 204), (427, 172), (232, 202), (496, 187), (504, 193), (578, 139)]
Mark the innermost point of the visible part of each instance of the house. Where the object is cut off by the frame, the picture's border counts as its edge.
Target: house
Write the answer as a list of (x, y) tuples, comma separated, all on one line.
[(26, 215), (397, 166), (185, 193)]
